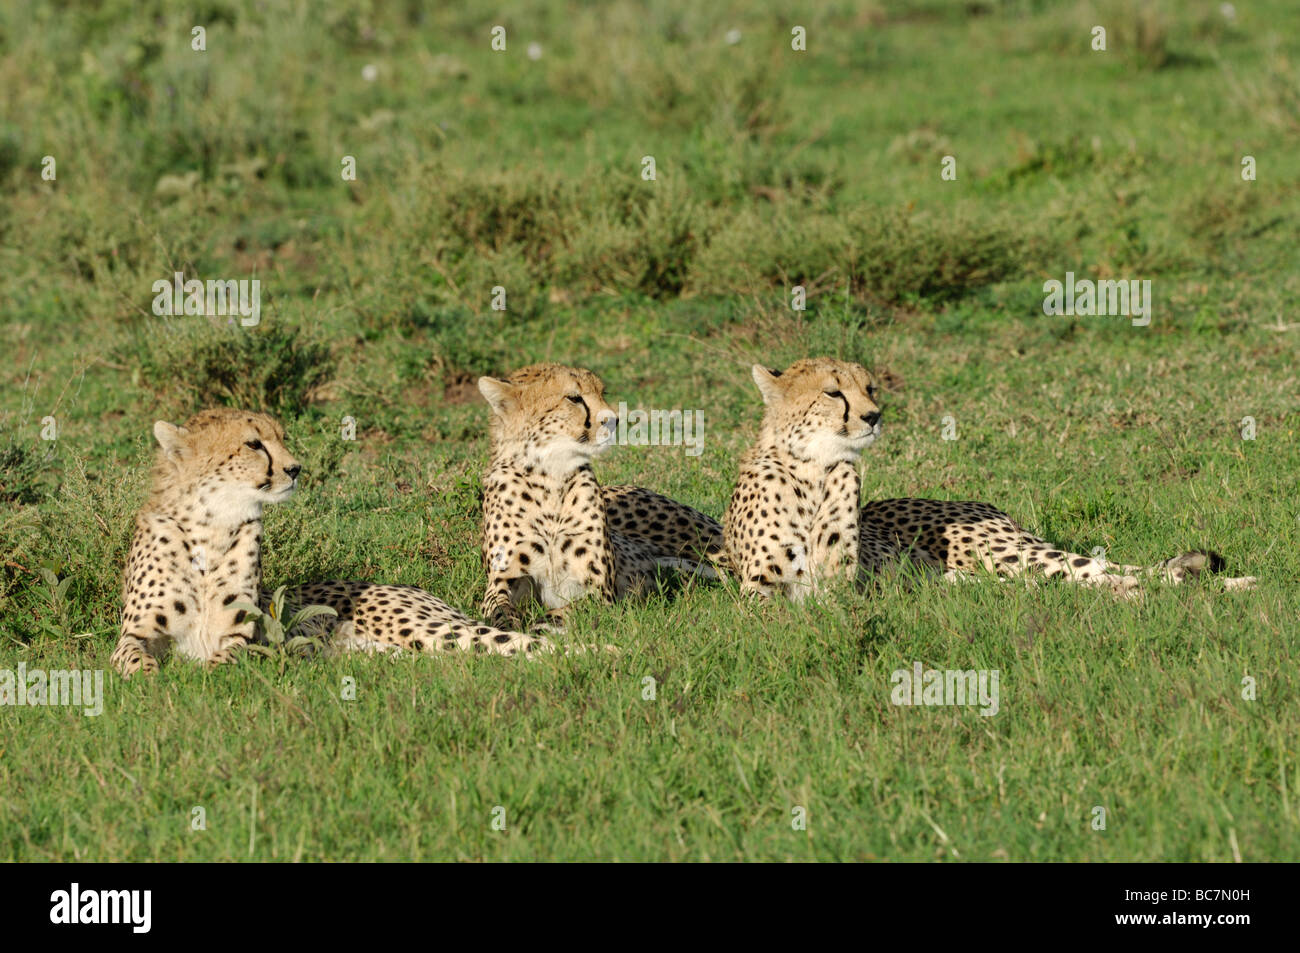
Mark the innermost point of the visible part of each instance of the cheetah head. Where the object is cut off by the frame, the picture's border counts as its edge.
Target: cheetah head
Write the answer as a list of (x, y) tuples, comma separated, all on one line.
[(234, 459), (550, 416), (820, 408)]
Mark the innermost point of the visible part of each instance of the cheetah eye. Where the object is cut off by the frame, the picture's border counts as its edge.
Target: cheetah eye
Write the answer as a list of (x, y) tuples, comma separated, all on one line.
[(871, 392), (253, 444), (834, 394), (576, 398)]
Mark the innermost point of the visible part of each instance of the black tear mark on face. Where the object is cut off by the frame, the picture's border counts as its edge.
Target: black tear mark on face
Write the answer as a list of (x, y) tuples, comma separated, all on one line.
[(834, 395), (260, 447), (839, 395), (586, 412)]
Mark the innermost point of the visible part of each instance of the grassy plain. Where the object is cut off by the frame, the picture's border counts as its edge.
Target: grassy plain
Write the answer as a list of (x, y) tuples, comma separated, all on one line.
[(774, 168)]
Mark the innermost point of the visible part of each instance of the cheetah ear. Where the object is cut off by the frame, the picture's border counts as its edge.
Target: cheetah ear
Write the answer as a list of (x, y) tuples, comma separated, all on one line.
[(766, 379), (171, 438), (495, 392)]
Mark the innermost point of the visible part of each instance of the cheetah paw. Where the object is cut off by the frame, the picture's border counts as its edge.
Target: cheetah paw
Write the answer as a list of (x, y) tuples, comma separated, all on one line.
[(137, 663)]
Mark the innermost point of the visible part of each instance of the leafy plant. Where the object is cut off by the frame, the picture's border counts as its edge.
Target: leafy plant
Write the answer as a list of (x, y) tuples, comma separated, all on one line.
[(55, 596), (18, 474), (275, 631), (277, 367)]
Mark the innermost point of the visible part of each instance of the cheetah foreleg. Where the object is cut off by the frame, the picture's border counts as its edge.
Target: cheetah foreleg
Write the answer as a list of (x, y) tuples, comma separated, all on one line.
[(133, 654), (834, 536)]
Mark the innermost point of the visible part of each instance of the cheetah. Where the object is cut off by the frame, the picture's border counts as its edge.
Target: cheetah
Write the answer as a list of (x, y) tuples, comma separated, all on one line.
[(550, 532), (196, 556), (795, 525)]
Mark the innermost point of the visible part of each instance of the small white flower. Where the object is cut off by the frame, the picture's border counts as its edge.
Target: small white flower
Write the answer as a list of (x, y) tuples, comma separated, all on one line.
[(370, 72), (1228, 10), (732, 37), (534, 51)]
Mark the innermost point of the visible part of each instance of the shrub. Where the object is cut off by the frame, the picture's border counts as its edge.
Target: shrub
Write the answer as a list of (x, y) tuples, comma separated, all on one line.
[(192, 363)]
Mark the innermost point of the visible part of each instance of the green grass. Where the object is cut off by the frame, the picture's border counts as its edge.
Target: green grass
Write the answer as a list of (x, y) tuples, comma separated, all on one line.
[(775, 168)]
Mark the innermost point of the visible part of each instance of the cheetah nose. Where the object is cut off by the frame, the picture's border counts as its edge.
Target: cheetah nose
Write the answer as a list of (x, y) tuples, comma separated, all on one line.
[(872, 418), (293, 471)]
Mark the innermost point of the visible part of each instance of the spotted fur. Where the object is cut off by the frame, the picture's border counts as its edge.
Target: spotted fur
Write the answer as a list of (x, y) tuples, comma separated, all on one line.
[(551, 534), (795, 522), (196, 556), (791, 528)]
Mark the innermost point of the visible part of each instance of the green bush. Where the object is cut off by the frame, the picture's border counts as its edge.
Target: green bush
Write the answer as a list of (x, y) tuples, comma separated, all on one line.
[(191, 363)]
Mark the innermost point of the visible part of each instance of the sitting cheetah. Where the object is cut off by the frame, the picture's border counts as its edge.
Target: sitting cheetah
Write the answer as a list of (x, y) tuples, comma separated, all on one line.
[(795, 524), (196, 554), (550, 531)]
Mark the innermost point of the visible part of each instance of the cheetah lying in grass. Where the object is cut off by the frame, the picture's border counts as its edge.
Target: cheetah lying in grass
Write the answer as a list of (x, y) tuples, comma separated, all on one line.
[(795, 523), (551, 533), (196, 555)]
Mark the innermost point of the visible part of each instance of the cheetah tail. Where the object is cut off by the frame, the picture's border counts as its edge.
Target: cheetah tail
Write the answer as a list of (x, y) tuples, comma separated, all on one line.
[(377, 618), (1196, 562), (701, 569), (1190, 565)]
